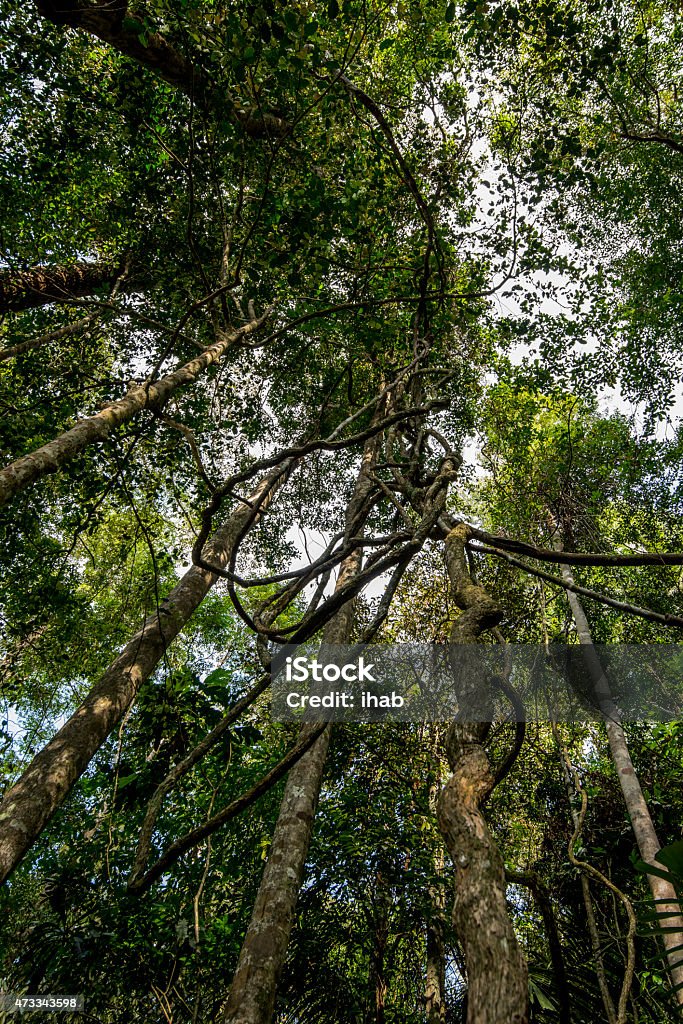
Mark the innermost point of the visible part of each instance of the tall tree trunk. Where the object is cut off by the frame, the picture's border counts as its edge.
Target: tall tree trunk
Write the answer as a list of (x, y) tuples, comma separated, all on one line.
[(252, 994), (40, 286), (378, 967), (26, 470), (435, 975), (28, 806), (636, 806), (435, 966), (497, 975)]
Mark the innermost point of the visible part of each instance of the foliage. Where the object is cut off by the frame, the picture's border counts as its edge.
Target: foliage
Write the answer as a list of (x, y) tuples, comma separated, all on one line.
[(464, 216)]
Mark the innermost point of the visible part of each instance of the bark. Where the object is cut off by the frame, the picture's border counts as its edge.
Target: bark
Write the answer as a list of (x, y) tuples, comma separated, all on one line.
[(636, 806), (435, 977), (44, 339), (30, 804), (110, 21), (435, 973), (252, 995), (40, 286), (18, 475), (496, 971), (378, 969)]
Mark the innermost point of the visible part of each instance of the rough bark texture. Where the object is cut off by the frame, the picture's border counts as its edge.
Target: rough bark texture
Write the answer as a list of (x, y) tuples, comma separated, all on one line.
[(636, 806), (24, 471), (252, 994), (496, 971), (40, 286), (28, 806), (110, 21)]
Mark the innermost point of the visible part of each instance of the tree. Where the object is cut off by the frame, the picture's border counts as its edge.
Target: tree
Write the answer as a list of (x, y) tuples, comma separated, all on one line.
[(251, 265)]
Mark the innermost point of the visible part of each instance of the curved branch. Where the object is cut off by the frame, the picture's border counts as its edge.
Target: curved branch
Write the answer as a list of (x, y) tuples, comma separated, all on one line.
[(577, 557), (193, 838), (182, 768), (622, 606), (295, 452)]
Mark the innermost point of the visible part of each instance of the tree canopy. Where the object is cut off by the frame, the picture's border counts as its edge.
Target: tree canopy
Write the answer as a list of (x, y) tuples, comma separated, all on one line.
[(347, 324)]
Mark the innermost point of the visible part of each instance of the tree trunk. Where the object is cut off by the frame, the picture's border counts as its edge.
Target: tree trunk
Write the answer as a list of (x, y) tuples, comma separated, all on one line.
[(497, 976), (40, 286), (435, 978), (252, 994), (435, 967), (24, 471), (110, 21), (638, 811), (28, 806), (378, 969)]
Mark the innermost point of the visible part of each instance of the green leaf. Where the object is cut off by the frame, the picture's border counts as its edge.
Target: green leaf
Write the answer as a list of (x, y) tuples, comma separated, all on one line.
[(672, 857)]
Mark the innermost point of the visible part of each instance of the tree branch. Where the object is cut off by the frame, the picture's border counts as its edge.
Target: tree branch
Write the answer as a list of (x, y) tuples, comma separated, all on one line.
[(18, 475), (623, 606), (657, 137), (110, 21), (41, 286), (182, 768), (575, 557), (193, 838)]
